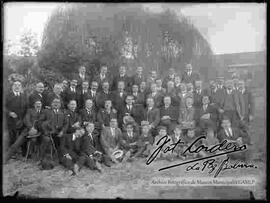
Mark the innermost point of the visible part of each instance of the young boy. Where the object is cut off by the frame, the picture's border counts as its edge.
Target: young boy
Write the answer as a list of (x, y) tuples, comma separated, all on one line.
[(145, 141), (129, 142), (179, 148)]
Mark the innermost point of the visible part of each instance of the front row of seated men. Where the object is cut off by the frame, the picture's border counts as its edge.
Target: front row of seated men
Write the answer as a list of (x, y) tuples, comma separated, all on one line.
[(84, 139)]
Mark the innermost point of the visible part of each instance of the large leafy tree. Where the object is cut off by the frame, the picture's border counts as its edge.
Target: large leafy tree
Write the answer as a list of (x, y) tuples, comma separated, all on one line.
[(92, 34)]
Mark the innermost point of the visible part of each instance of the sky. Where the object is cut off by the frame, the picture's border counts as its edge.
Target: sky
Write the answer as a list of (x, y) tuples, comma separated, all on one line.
[(228, 27)]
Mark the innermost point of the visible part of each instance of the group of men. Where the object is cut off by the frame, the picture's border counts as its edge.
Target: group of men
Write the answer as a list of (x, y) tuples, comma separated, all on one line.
[(107, 120)]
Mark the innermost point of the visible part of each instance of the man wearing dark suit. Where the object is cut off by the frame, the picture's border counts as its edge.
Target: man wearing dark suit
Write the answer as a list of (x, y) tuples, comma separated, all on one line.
[(16, 106), (138, 77), (71, 155), (152, 114), (234, 135), (152, 78), (54, 126), (93, 93), (104, 95), (106, 114), (119, 96), (110, 139), (155, 95), (82, 76), (182, 95), (72, 93), (206, 116), (129, 109), (189, 76), (88, 113), (32, 122), (129, 142), (168, 114), (198, 94), (177, 83), (85, 94), (139, 98), (122, 77), (38, 94), (230, 104), (246, 102), (73, 117), (171, 91), (92, 148), (57, 93), (103, 76)]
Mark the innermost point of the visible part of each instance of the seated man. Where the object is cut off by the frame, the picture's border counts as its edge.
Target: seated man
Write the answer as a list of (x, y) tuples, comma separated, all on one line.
[(32, 121), (139, 98), (206, 115), (234, 135), (145, 141), (91, 148), (72, 156), (152, 114), (110, 140), (106, 114), (73, 118), (129, 142), (168, 114), (88, 113), (54, 127), (186, 115)]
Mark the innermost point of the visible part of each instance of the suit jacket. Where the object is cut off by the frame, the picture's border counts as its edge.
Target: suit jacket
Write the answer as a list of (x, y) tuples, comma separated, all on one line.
[(83, 97), (126, 79), (103, 117), (36, 96), (217, 97), (72, 117), (137, 80), (88, 117), (190, 79), (68, 95), (80, 80), (186, 115), (118, 101), (236, 133), (246, 103), (171, 111), (197, 103), (166, 80), (54, 122), (152, 116), (139, 98), (157, 99), (127, 142), (109, 142), (16, 104), (33, 118), (98, 79), (231, 102), (70, 146), (89, 143), (136, 112), (101, 97)]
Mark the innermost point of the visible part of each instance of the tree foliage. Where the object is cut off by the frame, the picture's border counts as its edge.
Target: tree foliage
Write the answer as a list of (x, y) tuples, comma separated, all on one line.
[(93, 34)]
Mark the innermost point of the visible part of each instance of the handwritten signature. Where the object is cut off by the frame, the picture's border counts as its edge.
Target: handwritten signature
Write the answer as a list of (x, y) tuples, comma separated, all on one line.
[(217, 150)]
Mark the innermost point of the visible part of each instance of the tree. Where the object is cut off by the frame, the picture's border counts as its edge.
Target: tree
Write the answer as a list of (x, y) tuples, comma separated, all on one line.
[(28, 44), (116, 34)]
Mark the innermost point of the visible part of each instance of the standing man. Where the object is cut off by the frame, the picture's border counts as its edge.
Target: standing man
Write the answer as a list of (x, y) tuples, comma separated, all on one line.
[(103, 76), (246, 102), (82, 77), (85, 94), (38, 94), (152, 114), (57, 93), (72, 93), (122, 76), (104, 95), (16, 106), (119, 96), (189, 76), (198, 94), (138, 77)]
